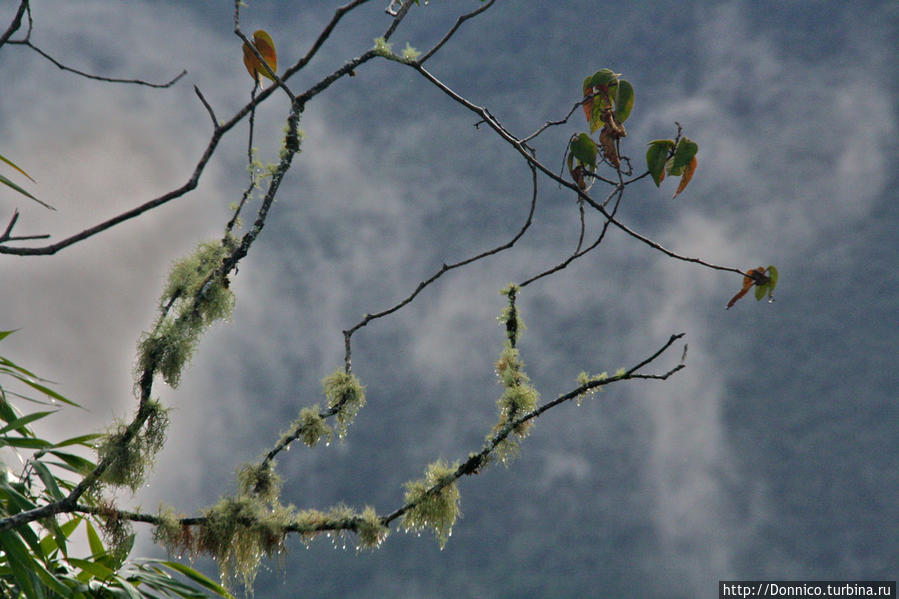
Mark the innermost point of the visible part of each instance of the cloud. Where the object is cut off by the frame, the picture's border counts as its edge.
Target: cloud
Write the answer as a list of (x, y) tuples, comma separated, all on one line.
[(791, 155)]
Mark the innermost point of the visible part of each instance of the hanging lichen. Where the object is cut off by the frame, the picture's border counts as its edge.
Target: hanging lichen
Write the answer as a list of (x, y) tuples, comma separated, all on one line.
[(436, 509), (346, 395)]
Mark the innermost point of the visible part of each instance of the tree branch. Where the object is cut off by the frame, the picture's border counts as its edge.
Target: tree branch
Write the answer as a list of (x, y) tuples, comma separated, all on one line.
[(452, 31), (15, 23), (443, 269), (102, 78), (522, 149), (475, 461), (471, 465)]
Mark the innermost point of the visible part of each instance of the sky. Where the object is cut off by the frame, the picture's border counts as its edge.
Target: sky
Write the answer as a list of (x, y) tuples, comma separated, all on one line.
[(771, 455)]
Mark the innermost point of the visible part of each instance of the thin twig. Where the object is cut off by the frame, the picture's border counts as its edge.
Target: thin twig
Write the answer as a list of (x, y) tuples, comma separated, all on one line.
[(69, 69), (7, 234), (453, 29), (322, 37), (15, 23), (215, 121), (443, 269), (397, 18), (578, 252)]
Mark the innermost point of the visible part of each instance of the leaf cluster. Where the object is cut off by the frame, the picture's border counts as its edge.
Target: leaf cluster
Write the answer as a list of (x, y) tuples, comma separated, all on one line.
[(763, 279), (677, 159)]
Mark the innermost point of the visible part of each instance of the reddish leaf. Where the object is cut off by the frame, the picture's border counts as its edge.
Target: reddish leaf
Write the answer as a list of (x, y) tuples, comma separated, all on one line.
[(756, 276), (685, 178), (607, 144)]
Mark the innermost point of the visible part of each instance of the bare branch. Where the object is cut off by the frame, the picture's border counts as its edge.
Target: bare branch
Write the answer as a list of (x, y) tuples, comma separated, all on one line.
[(215, 122), (323, 36), (398, 16), (443, 269), (453, 29), (15, 23), (578, 252), (7, 234), (127, 215), (562, 121), (63, 67)]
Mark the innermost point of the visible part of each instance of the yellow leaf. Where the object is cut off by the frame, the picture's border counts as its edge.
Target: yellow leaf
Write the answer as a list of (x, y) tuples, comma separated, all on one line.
[(266, 48)]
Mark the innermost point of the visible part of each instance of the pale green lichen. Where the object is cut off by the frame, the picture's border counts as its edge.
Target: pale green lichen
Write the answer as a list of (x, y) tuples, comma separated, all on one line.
[(383, 47), (129, 456), (346, 395), (239, 531), (510, 317), (311, 427), (370, 530), (260, 480), (519, 397), (584, 379), (410, 54), (431, 507), (195, 296), (169, 532)]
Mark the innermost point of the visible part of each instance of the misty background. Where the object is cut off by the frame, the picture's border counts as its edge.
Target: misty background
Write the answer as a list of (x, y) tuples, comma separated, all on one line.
[(772, 455)]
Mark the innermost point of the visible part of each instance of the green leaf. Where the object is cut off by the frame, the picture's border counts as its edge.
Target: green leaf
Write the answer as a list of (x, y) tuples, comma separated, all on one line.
[(48, 479), (12, 365), (15, 498), (21, 422), (772, 275), (195, 576), (79, 440), (683, 154), (597, 109), (9, 183), (57, 539), (10, 163), (602, 77), (656, 156), (26, 442), (21, 562), (31, 380), (671, 171), (94, 541), (5, 334), (624, 101), (95, 569), (584, 149), (760, 291), (127, 589), (76, 463)]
